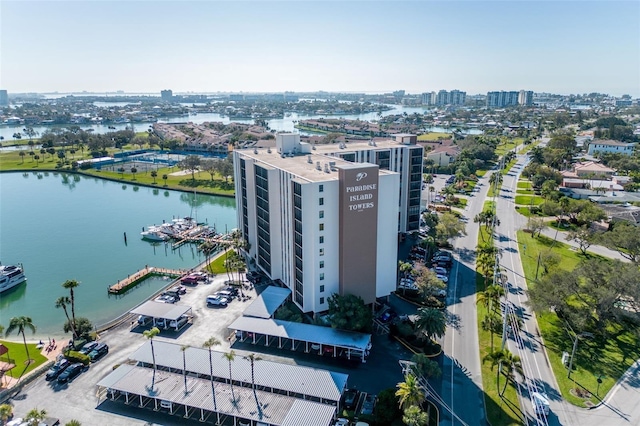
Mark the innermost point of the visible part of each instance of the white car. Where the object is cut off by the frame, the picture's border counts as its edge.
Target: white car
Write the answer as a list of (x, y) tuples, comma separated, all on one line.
[(440, 270), (443, 278), (217, 300)]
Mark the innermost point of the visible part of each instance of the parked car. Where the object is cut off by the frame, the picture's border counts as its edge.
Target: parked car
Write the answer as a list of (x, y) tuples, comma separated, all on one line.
[(70, 373), (387, 316), (177, 324), (173, 294), (443, 278), (161, 323), (143, 319), (100, 350), (189, 280), (216, 300), (351, 398), (444, 254), (341, 422), (231, 289), (368, 405), (88, 347), (440, 270), (166, 299), (180, 289), (57, 369), (225, 294)]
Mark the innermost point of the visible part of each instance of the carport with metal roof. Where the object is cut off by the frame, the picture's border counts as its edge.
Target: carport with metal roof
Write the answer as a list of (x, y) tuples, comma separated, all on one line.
[(324, 339), (194, 397), (158, 310), (267, 302)]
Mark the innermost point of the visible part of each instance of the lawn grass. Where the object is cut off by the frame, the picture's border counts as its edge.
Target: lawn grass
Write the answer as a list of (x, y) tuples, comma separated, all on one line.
[(608, 360), (18, 356), (488, 206), (524, 211), (434, 136), (461, 204), (507, 145), (217, 265), (11, 161), (564, 227), (525, 184), (525, 192), (505, 410), (528, 200), (470, 184), (481, 173)]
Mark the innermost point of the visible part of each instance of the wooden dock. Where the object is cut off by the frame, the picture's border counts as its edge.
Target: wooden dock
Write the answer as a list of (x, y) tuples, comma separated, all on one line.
[(132, 280)]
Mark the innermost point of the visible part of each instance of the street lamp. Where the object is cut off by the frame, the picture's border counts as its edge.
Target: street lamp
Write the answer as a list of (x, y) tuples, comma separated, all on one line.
[(575, 346)]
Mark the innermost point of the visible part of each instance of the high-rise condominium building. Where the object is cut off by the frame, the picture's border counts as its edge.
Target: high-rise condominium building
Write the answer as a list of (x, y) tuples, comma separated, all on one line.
[(525, 97), (166, 95), (443, 97), (324, 219), (502, 99), (4, 98)]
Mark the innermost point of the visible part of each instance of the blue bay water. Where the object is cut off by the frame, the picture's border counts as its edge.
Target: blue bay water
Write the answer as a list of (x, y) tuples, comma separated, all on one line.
[(63, 226)]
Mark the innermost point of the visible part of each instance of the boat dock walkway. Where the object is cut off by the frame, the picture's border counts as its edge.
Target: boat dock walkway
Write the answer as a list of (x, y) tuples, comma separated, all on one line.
[(131, 280)]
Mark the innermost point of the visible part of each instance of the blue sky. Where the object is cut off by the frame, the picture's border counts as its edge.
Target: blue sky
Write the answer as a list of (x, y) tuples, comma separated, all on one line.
[(361, 46)]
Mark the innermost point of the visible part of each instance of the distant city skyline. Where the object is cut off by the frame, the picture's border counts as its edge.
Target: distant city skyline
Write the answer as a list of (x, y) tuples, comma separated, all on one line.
[(569, 47)]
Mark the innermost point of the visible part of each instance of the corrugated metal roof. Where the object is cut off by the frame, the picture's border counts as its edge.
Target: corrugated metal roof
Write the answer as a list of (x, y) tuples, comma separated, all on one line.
[(161, 310), (307, 413), (273, 408), (267, 302), (308, 381), (303, 332)]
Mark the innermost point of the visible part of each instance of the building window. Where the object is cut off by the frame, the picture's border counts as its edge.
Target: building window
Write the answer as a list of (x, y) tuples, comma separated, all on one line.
[(322, 286), (321, 201), (321, 214), (322, 279), (321, 226), (321, 264), (322, 300), (321, 188), (321, 239), (321, 252)]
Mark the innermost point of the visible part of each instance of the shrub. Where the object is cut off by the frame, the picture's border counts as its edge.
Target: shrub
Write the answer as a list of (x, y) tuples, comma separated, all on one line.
[(74, 356)]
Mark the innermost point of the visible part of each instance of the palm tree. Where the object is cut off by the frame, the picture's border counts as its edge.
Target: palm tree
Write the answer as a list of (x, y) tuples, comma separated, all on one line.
[(35, 417), (62, 302), (183, 349), (70, 285), (490, 298), (230, 356), (490, 323), (207, 248), (20, 324), (212, 341), (409, 392), (510, 363), (133, 172), (165, 177), (22, 154), (431, 322), (252, 358), (414, 416), (154, 174), (496, 358), (6, 411), (150, 334)]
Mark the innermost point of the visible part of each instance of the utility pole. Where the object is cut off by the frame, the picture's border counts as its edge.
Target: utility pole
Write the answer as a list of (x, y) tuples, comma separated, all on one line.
[(575, 346)]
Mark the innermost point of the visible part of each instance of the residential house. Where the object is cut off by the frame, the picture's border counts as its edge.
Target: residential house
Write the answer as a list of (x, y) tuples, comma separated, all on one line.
[(610, 146)]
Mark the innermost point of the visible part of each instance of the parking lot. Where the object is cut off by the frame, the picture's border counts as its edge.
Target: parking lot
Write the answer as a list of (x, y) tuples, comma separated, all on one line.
[(78, 399)]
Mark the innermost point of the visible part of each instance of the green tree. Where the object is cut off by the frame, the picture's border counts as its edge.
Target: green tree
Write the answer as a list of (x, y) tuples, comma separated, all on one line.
[(449, 227), (428, 282), (62, 302), (409, 392), (496, 358), (230, 356), (414, 416), (21, 154), (83, 327), (6, 412), (625, 239), (349, 312), (425, 367), (133, 172), (20, 324), (253, 358), (536, 225), (34, 417), (154, 175), (431, 322), (583, 236), (71, 285), (191, 163), (490, 298), (492, 323), (165, 177), (209, 343), (387, 408), (150, 334), (510, 364)]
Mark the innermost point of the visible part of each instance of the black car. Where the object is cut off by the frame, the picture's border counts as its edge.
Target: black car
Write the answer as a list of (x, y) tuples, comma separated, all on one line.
[(57, 369), (172, 293), (98, 352), (88, 347), (233, 290), (70, 373), (351, 399), (178, 289)]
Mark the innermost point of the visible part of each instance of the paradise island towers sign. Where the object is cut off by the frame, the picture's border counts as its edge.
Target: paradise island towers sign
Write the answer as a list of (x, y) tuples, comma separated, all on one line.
[(358, 221)]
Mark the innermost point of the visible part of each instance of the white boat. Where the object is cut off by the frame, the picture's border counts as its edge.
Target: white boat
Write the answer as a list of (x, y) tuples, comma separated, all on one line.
[(154, 235), (11, 276)]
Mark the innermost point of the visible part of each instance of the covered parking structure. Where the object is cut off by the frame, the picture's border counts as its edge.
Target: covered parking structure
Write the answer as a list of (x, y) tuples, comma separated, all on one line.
[(267, 302), (307, 383), (193, 397), (324, 340), (162, 313)]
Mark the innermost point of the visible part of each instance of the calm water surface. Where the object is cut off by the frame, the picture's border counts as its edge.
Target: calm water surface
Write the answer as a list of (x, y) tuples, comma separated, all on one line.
[(62, 226)]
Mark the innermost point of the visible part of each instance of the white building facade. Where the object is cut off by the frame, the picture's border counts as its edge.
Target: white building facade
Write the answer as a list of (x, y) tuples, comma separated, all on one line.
[(319, 224), (610, 147)]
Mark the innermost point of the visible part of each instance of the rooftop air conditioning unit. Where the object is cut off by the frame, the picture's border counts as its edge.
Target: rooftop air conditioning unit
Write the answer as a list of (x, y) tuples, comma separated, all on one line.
[(309, 160), (269, 150), (326, 168), (318, 165), (255, 150), (332, 165)]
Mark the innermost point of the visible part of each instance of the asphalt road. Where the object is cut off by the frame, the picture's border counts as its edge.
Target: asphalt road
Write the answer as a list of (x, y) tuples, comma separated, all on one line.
[(462, 377)]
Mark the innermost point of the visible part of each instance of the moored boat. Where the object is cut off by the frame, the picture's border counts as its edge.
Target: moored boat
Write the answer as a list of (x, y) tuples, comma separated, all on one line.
[(11, 276), (154, 235)]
